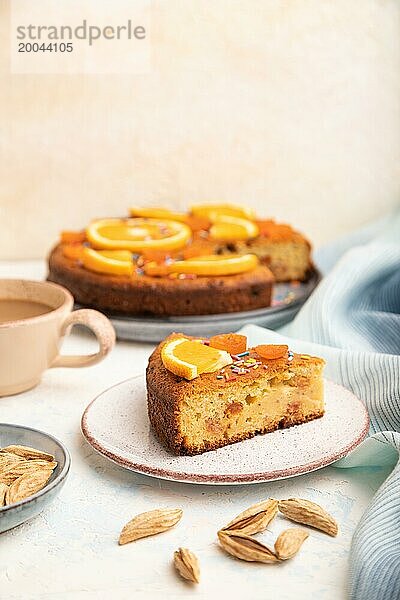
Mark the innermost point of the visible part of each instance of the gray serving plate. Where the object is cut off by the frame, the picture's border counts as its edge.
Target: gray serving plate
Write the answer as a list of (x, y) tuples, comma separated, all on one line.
[(287, 300), (15, 514)]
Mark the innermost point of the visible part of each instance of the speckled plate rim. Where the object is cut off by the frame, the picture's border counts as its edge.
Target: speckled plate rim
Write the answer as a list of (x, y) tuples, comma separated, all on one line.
[(56, 481), (218, 479)]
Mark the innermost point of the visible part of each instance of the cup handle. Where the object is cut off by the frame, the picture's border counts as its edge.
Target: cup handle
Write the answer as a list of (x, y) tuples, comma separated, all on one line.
[(101, 327)]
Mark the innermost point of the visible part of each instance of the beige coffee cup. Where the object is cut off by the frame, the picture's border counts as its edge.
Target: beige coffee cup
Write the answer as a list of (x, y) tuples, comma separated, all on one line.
[(30, 346)]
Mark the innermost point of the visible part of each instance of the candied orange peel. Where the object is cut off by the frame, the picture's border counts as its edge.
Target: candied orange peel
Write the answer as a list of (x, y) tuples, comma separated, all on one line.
[(73, 251), (72, 237), (272, 351), (234, 343), (275, 231), (197, 223)]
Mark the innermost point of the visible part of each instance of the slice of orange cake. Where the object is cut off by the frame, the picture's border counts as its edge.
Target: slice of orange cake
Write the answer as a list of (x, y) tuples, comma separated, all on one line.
[(206, 393)]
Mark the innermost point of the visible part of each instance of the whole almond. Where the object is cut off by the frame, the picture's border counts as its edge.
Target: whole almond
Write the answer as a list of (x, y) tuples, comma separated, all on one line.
[(3, 491), (27, 452), (254, 519), (187, 565), (149, 523), (27, 485), (289, 542), (24, 466), (308, 513), (245, 547), (7, 460)]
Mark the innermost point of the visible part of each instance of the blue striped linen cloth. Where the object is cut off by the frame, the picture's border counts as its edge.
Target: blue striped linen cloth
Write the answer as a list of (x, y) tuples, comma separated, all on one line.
[(353, 320)]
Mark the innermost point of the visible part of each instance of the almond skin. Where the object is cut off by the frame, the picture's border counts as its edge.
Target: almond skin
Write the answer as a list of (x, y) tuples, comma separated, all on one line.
[(27, 485), (245, 547), (187, 565), (308, 513), (254, 519), (19, 468), (149, 523), (3, 492), (28, 453), (289, 542)]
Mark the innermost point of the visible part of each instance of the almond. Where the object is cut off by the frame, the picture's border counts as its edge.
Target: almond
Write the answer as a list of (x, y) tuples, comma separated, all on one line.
[(187, 565), (245, 547), (289, 542), (149, 523), (24, 466), (27, 485), (28, 453), (7, 460), (3, 491), (254, 519), (308, 513)]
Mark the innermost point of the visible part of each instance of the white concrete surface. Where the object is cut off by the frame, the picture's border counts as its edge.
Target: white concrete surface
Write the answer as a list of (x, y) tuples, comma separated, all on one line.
[(70, 551)]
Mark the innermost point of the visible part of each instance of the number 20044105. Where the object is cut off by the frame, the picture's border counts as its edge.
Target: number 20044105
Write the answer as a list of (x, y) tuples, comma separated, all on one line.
[(51, 47)]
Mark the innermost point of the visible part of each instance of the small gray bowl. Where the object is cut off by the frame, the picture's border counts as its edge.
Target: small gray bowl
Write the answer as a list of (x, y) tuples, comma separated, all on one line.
[(15, 514)]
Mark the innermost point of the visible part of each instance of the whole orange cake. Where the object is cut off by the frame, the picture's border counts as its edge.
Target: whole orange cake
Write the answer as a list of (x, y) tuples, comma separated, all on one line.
[(213, 259), (204, 394)]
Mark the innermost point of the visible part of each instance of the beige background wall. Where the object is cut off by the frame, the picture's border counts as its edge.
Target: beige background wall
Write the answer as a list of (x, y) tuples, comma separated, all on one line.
[(291, 106)]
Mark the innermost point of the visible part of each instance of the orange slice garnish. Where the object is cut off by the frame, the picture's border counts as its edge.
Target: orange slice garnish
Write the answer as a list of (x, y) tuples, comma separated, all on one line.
[(138, 234), (109, 262), (72, 237), (229, 229), (211, 211), (157, 213), (190, 358), (234, 343), (208, 266), (124, 255), (272, 351)]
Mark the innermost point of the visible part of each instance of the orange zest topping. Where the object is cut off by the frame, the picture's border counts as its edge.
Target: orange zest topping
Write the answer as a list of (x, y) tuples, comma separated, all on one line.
[(227, 229), (234, 343), (108, 262), (208, 266), (73, 251), (190, 358), (272, 351), (138, 235), (72, 237)]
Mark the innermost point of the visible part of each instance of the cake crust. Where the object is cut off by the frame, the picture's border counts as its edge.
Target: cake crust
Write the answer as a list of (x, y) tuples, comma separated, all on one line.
[(167, 394), (144, 295)]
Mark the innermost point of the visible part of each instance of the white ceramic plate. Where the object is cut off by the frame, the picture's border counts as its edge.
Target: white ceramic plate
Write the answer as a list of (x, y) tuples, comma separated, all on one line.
[(116, 425)]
